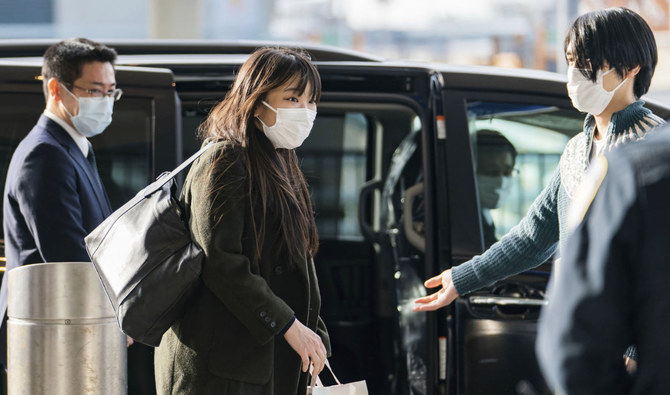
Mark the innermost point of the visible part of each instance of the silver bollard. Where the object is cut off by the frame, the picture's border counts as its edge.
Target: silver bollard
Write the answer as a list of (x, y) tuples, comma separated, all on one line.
[(62, 337)]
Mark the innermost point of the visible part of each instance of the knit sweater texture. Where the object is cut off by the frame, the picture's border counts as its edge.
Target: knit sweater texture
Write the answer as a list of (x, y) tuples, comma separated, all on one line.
[(536, 237)]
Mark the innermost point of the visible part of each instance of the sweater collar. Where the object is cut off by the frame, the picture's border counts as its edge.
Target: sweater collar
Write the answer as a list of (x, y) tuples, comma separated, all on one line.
[(619, 122)]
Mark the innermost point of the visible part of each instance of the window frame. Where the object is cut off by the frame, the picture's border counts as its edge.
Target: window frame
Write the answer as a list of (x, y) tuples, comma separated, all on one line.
[(457, 160)]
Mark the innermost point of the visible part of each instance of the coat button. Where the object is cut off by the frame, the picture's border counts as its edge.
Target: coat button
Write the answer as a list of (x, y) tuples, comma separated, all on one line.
[(273, 324), (263, 314), (268, 319), (279, 270)]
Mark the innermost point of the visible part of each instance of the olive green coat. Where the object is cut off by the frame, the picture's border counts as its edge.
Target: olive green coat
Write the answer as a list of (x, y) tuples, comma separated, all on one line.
[(228, 340)]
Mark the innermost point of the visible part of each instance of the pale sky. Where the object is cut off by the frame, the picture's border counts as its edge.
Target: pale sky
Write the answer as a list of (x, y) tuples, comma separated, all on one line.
[(409, 15), (415, 14)]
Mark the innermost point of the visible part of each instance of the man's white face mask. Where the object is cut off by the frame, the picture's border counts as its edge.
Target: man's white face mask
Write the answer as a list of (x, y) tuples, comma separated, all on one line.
[(588, 96), (491, 189), (291, 127), (95, 114)]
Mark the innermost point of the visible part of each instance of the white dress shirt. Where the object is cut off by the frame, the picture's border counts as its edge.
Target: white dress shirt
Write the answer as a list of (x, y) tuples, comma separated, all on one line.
[(78, 138)]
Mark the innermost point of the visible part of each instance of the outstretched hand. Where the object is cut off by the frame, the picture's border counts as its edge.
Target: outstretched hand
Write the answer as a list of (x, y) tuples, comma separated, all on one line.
[(308, 345), (441, 298)]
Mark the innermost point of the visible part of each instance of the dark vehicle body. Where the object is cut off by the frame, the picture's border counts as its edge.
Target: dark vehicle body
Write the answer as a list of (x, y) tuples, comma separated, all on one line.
[(391, 167)]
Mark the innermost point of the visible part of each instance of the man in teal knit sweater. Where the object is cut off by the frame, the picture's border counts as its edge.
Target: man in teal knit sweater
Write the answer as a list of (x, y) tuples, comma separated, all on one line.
[(611, 56)]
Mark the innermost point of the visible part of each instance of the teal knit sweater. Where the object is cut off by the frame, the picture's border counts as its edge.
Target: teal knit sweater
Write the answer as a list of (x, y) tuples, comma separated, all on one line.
[(535, 238)]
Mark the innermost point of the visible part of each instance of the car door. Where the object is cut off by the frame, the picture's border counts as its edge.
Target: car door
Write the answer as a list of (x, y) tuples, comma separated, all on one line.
[(491, 332), (140, 143)]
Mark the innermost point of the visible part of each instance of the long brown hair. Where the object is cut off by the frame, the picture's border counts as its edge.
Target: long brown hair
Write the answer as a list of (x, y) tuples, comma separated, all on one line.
[(275, 182)]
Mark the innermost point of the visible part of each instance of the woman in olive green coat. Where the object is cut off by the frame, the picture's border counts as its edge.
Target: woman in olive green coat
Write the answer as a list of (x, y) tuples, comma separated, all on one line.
[(253, 326)]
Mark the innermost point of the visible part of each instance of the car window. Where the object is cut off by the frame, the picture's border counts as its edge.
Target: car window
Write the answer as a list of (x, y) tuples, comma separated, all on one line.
[(18, 114), (123, 151), (516, 149)]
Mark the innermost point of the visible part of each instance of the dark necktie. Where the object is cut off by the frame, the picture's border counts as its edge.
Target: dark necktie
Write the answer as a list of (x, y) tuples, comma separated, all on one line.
[(91, 160)]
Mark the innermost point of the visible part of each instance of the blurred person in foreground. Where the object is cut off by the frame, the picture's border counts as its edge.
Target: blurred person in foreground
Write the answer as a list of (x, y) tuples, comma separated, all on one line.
[(496, 157), (253, 326), (610, 288), (611, 56)]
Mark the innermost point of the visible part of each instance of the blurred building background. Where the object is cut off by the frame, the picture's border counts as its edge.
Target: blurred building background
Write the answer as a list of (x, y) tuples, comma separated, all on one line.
[(509, 33)]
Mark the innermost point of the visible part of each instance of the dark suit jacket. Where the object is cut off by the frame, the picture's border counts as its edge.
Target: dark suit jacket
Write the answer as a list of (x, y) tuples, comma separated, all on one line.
[(52, 200), (610, 287), (229, 339)]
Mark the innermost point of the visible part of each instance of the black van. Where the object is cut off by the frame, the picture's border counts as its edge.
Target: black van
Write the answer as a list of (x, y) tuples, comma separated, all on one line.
[(390, 163)]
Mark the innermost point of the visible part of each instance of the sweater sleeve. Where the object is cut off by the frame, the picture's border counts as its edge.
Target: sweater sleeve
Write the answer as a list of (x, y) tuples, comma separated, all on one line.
[(527, 245), (218, 210)]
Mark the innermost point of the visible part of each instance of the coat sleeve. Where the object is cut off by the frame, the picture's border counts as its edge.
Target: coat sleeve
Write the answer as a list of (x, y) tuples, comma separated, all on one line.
[(322, 331), (526, 246), (218, 219), (49, 200), (588, 323)]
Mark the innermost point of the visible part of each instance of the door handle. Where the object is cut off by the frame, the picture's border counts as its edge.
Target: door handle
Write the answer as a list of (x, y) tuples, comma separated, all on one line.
[(366, 228), (413, 237), (506, 301)]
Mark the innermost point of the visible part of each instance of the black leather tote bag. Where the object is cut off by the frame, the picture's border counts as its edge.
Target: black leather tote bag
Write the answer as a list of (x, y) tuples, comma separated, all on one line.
[(146, 260)]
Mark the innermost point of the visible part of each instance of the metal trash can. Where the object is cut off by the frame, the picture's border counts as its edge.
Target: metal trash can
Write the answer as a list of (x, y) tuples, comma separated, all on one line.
[(62, 336)]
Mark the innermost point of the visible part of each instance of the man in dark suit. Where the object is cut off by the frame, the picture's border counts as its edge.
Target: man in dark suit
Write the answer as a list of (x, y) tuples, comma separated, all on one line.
[(53, 194), (610, 288)]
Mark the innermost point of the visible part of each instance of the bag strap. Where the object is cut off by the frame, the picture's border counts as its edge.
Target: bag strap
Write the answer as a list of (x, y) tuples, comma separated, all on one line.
[(331, 372), (189, 160), (316, 382), (312, 384), (165, 177)]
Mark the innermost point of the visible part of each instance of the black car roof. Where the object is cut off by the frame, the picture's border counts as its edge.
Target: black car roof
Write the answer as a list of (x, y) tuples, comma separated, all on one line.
[(189, 58), (36, 47)]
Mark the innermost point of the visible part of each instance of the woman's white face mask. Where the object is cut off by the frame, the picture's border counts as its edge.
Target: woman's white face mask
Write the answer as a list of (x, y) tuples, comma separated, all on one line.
[(291, 127), (588, 96)]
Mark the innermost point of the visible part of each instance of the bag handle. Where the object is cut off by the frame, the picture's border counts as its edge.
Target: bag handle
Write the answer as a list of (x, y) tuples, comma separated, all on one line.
[(165, 177), (316, 381), (331, 372), (189, 161)]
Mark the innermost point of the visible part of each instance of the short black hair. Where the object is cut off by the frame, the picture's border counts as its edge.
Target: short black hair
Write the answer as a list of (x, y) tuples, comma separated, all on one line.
[(64, 60), (617, 36), (489, 139)]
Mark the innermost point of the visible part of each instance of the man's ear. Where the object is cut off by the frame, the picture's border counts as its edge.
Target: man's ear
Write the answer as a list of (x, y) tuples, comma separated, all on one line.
[(633, 72), (54, 89)]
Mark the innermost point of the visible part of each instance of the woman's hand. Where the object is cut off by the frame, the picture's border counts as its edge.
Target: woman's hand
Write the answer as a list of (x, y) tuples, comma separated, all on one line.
[(441, 298), (308, 345)]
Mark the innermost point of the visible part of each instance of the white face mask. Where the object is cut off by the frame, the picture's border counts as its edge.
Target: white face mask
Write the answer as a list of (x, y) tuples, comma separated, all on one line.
[(586, 95), (291, 127), (491, 190), (95, 114)]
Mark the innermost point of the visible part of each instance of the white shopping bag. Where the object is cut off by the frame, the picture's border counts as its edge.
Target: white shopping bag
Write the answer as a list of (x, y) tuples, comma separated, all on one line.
[(355, 388)]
